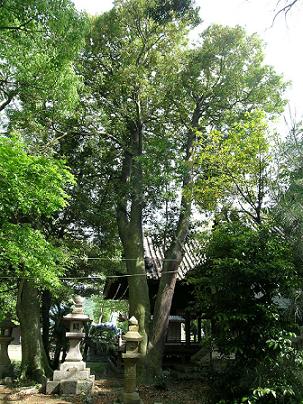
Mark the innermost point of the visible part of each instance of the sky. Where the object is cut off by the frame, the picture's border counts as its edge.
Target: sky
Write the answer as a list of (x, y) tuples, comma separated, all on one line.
[(283, 37)]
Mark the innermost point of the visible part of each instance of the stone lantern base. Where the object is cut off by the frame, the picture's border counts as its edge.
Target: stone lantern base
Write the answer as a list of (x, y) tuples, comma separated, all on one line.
[(6, 368), (131, 398), (6, 371), (72, 378)]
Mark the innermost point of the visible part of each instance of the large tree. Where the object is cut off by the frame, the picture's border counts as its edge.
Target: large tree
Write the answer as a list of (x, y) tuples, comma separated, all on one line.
[(37, 85), (133, 48), (149, 96), (224, 79)]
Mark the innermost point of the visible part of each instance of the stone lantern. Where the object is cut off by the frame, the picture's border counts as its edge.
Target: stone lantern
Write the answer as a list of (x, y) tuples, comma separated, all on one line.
[(75, 322), (73, 377), (131, 356), (6, 330)]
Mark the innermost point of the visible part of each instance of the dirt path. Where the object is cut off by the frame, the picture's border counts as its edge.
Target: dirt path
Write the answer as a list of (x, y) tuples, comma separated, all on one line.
[(107, 391)]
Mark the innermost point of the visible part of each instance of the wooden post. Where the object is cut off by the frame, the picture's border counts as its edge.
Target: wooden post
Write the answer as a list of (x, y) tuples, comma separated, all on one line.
[(187, 329), (199, 329)]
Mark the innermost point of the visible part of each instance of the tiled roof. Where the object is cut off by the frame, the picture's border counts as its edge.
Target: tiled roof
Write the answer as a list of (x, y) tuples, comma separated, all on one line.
[(154, 256)]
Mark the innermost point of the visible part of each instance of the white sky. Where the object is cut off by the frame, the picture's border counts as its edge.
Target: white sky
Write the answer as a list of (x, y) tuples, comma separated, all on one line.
[(283, 39)]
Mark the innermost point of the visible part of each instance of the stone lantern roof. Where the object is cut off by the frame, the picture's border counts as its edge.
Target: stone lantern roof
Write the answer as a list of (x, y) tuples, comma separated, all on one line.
[(7, 323), (132, 333), (77, 314)]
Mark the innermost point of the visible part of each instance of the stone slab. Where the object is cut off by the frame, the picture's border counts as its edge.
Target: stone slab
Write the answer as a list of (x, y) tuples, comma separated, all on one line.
[(76, 387), (71, 374), (68, 364), (52, 387)]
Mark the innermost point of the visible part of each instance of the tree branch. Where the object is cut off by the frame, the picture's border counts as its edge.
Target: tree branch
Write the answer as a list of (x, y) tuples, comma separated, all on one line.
[(286, 9), (21, 27), (8, 100)]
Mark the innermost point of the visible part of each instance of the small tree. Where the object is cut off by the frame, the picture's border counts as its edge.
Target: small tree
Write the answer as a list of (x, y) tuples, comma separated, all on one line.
[(31, 188)]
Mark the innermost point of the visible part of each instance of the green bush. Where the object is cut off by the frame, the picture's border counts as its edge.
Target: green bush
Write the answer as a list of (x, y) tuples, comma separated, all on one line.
[(243, 287), (161, 381)]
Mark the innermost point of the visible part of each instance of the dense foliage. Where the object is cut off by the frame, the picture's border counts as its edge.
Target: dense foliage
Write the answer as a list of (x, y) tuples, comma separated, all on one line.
[(39, 41), (32, 187), (244, 287)]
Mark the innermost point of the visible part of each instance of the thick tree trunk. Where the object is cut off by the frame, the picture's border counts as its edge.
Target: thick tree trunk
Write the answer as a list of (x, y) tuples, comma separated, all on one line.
[(34, 365), (165, 294), (130, 205), (139, 305), (160, 324), (131, 236), (173, 258)]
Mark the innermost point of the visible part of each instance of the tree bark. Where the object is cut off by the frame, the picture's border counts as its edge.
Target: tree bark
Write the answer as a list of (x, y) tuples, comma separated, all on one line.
[(139, 306), (34, 365), (129, 212), (131, 235), (172, 260)]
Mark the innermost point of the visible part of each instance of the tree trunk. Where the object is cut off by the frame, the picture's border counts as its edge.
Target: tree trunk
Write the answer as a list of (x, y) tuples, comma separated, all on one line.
[(139, 305), (130, 206), (160, 325), (165, 294), (34, 365), (173, 258), (131, 236), (129, 209)]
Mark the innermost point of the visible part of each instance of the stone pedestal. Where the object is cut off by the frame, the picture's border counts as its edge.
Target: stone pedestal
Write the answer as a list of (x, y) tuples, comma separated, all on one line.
[(6, 368), (73, 377), (6, 330), (131, 356)]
